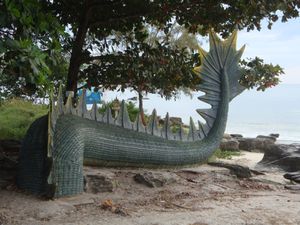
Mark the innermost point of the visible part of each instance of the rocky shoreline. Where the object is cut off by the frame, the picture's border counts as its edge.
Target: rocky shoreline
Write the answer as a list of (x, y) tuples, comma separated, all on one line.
[(236, 142), (276, 156)]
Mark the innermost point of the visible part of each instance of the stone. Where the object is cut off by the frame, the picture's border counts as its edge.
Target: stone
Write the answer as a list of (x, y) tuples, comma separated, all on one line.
[(236, 135), (297, 179), (274, 135), (10, 145), (229, 145), (285, 157), (227, 136), (293, 187), (293, 176), (266, 137), (1, 153), (255, 144), (7, 163), (98, 183), (8, 166), (9, 152), (290, 175), (153, 180), (238, 170)]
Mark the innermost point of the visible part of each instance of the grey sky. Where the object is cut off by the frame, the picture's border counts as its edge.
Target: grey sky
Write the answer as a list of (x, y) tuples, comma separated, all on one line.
[(281, 45)]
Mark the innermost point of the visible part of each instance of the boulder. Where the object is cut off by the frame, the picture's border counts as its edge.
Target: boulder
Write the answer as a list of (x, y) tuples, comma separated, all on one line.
[(8, 166), (156, 179), (10, 145), (293, 176), (236, 135), (98, 182), (293, 187), (259, 144), (271, 138), (229, 145), (9, 149), (286, 157), (274, 135), (227, 136)]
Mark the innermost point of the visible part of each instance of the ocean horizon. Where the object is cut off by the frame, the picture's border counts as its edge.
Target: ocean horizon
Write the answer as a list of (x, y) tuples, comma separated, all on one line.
[(276, 110)]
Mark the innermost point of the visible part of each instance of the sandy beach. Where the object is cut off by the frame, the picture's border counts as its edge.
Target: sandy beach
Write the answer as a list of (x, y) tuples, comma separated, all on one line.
[(202, 195)]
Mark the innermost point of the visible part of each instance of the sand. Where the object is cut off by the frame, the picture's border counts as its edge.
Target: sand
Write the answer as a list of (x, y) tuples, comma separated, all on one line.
[(200, 196)]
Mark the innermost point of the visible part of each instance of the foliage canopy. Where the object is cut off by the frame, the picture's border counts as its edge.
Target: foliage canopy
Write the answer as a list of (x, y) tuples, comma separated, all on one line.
[(46, 41)]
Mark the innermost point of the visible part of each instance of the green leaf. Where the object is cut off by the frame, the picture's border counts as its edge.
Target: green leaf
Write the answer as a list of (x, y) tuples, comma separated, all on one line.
[(15, 12)]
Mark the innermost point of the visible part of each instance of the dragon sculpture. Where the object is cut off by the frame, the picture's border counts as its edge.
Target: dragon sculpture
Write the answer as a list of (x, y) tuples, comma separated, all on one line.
[(58, 145)]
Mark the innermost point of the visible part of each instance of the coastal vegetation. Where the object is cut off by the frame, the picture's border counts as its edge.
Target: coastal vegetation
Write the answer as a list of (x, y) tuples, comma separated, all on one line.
[(47, 42), (223, 154), (140, 45), (16, 115)]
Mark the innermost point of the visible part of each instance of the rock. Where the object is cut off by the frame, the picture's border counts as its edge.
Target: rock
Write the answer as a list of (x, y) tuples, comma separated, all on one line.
[(236, 135), (151, 179), (229, 145), (286, 157), (9, 150), (227, 136), (290, 175), (98, 183), (7, 162), (293, 176), (293, 187), (3, 184), (1, 153), (239, 171), (8, 168), (255, 144), (7, 177), (274, 135), (10, 145), (266, 137)]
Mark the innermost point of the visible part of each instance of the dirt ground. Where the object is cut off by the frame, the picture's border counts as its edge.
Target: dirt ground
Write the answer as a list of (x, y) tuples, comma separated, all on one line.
[(198, 196)]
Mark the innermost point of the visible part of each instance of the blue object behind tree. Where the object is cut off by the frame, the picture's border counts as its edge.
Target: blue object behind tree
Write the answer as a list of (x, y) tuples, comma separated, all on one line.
[(91, 96)]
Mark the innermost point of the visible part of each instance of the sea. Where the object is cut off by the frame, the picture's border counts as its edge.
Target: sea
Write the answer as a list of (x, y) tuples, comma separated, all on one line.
[(276, 110)]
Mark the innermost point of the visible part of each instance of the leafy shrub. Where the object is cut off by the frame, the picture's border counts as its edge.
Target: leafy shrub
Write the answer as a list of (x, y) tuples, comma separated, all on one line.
[(223, 154), (16, 116), (131, 108)]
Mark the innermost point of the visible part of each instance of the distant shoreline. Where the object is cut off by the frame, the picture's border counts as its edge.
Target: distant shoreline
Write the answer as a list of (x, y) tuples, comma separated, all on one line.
[(279, 140), (287, 142)]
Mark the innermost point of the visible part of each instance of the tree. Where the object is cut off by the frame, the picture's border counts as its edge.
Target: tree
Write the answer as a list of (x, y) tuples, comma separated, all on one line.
[(259, 75), (30, 49), (93, 22), (145, 69), (38, 27)]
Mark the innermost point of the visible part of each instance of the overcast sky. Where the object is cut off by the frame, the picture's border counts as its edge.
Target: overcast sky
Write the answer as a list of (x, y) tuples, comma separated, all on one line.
[(280, 45)]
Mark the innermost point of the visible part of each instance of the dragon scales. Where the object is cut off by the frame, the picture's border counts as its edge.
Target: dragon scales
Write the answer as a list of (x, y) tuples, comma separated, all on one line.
[(58, 145)]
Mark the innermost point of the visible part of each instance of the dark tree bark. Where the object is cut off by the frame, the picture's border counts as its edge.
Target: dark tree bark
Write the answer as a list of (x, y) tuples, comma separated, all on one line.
[(141, 107), (75, 60)]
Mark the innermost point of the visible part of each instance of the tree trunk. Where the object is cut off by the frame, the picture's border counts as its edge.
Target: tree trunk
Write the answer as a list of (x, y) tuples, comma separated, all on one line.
[(75, 60), (141, 108)]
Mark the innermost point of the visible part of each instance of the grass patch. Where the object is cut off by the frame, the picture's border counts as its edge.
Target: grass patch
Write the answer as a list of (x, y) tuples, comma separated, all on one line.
[(16, 116), (223, 154)]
